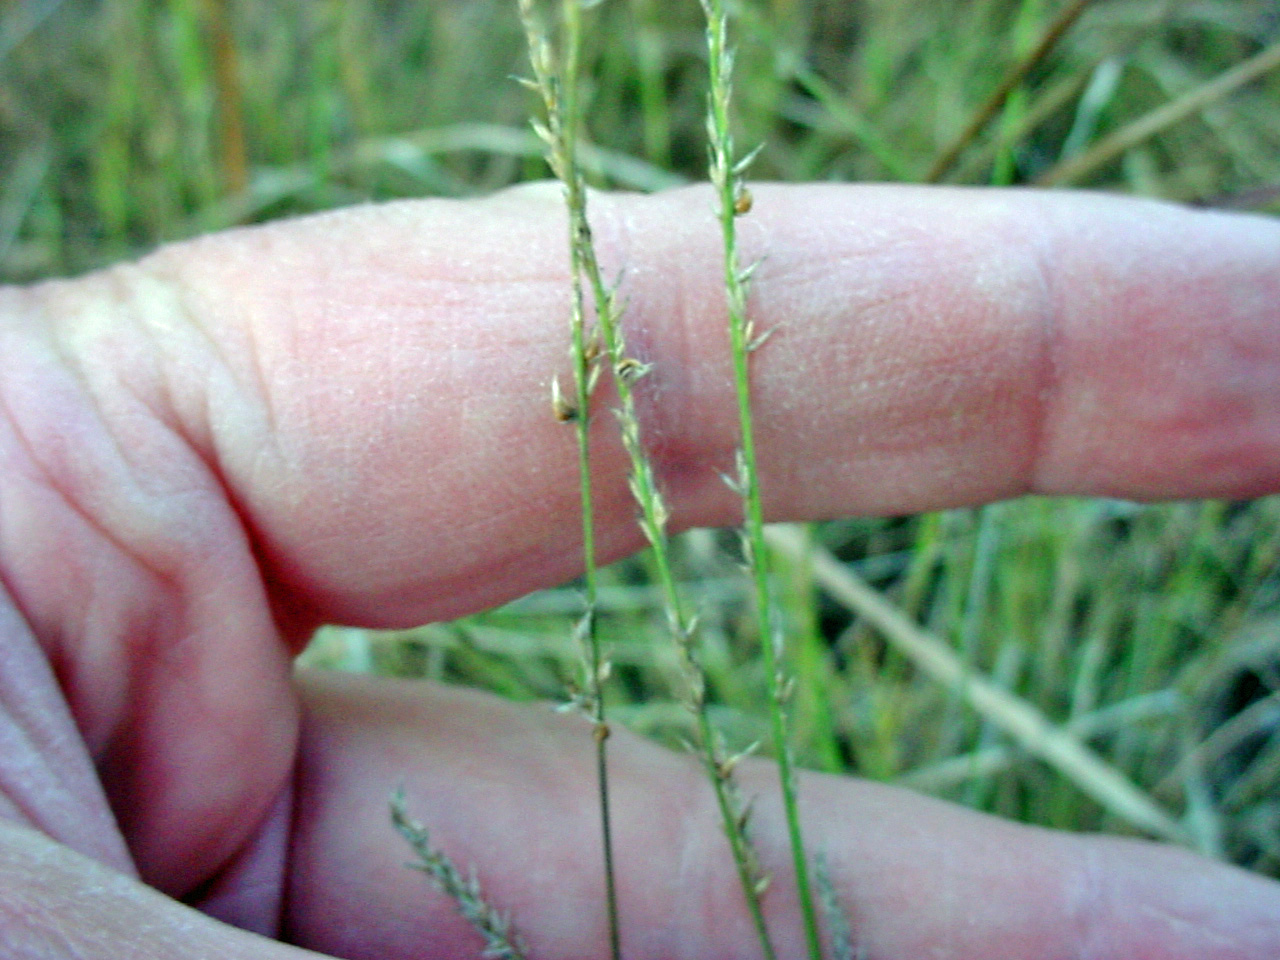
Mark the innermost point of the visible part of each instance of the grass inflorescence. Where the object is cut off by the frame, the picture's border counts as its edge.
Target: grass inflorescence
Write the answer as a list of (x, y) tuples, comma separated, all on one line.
[(734, 200), (555, 80), (501, 941)]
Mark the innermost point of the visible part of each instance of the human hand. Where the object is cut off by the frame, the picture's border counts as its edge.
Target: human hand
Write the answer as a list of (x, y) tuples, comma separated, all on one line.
[(346, 418)]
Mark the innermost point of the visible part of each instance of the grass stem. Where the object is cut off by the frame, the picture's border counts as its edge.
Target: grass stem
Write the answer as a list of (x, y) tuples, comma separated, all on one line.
[(734, 201), (607, 344), (558, 85), (583, 366), (1076, 168), (1010, 82), (1021, 721)]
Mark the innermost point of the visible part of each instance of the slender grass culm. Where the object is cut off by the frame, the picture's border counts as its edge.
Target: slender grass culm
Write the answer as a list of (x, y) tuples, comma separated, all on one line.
[(557, 85), (734, 200), (556, 81)]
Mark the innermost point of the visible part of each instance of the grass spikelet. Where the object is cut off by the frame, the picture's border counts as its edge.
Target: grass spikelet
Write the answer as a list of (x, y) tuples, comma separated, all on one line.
[(842, 947)]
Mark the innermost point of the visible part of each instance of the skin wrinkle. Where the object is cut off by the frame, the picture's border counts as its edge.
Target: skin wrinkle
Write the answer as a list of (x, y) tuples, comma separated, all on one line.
[(69, 804), (79, 668), (226, 410), (260, 383), (68, 662), (158, 517), (195, 421), (45, 775), (201, 424), (98, 379), (145, 293), (50, 479)]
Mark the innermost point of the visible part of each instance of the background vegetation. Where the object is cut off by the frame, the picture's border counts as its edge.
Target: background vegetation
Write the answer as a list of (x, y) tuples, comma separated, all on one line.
[(1151, 634)]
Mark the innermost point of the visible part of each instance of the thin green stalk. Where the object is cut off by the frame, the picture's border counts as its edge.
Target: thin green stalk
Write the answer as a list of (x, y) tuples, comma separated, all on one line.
[(583, 366), (734, 201), (559, 89), (627, 371), (1023, 722)]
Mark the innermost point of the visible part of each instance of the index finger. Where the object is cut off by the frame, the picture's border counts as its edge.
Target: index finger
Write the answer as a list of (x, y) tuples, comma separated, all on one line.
[(375, 383)]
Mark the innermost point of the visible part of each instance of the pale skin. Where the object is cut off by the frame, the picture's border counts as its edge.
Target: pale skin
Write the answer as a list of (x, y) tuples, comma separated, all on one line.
[(347, 418)]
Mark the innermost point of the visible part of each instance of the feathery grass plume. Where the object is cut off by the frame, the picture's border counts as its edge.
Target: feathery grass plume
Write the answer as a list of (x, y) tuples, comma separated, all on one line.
[(726, 172), (838, 930), (555, 79), (501, 941), (557, 85)]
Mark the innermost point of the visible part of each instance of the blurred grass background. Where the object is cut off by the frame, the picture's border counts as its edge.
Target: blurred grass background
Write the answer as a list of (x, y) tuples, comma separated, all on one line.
[(1151, 634)]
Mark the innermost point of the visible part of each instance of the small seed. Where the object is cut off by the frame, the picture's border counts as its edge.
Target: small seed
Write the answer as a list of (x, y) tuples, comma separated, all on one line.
[(742, 201), (630, 369), (564, 409)]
